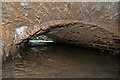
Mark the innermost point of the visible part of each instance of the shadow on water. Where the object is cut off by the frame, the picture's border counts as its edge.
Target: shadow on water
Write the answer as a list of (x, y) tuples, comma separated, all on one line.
[(61, 61)]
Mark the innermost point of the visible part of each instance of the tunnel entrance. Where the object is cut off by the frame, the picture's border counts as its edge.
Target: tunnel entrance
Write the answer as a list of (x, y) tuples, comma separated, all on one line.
[(78, 31), (65, 32), (68, 31), (47, 57)]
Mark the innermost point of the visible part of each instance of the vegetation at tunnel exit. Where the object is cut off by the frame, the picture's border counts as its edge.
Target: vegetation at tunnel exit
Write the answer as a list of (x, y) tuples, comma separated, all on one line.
[(42, 37)]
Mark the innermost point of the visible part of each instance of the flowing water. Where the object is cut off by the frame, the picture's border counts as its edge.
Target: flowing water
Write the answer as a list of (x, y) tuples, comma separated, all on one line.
[(60, 61)]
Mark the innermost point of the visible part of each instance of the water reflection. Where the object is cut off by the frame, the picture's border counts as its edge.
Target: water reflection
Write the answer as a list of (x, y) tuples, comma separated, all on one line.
[(56, 61)]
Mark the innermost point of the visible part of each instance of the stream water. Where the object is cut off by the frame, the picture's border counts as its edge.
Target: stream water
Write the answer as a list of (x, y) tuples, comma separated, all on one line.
[(60, 61)]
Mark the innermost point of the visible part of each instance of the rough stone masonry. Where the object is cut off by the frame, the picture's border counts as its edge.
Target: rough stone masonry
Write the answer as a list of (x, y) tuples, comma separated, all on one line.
[(93, 24)]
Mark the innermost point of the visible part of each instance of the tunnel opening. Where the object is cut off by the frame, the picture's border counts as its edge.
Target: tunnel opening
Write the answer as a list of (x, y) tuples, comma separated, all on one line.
[(74, 33), (84, 35), (62, 57)]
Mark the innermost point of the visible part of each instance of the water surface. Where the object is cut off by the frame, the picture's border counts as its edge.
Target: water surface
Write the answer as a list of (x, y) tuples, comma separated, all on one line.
[(58, 61)]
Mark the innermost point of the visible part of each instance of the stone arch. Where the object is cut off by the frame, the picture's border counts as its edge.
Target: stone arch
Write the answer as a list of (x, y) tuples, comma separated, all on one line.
[(22, 21), (89, 35)]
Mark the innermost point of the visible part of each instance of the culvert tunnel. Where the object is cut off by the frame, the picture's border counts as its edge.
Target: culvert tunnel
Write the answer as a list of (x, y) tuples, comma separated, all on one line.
[(93, 24), (87, 24), (68, 32)]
